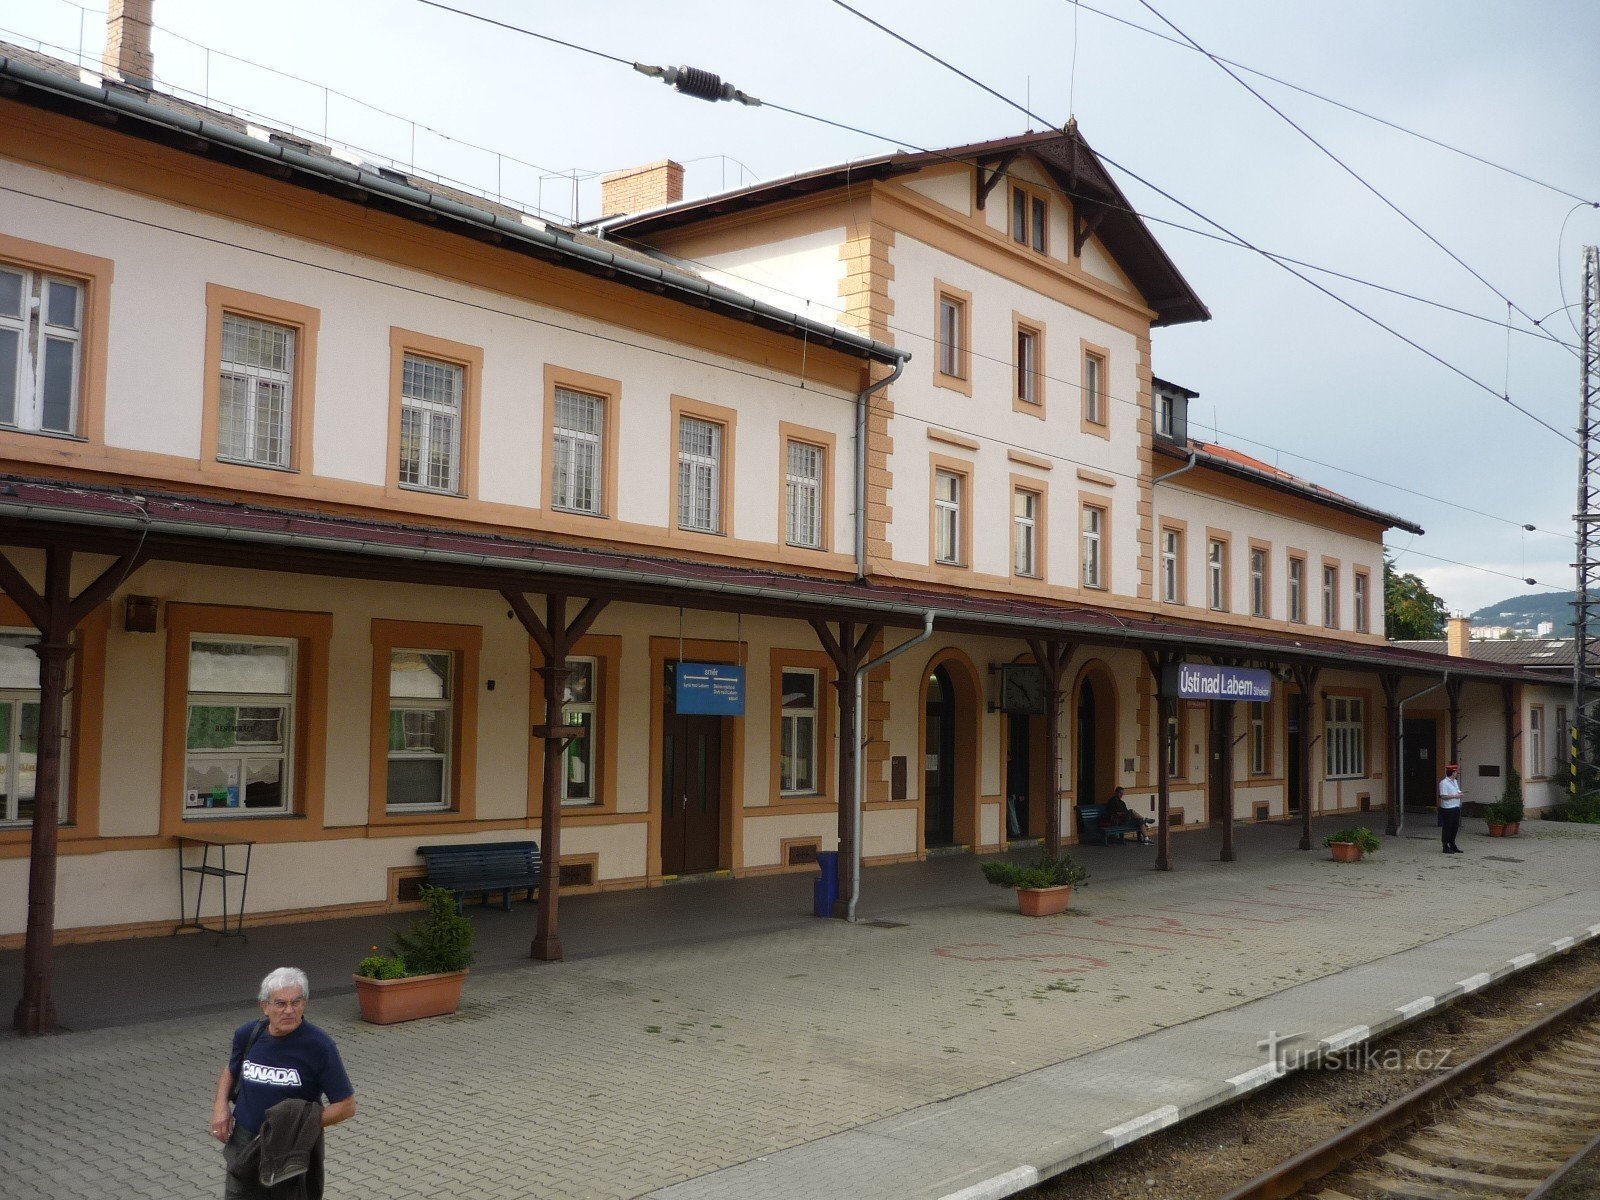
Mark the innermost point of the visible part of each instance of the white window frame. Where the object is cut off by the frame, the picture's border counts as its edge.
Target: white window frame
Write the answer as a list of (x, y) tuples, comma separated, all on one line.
[(1297, 590), (1536, 740), (264, 443), (1025, 532), (34, 333), (1171, 565), (1258, 738), (947, 517), (406, 706), (805, 466), (1174, 748), (1330, 597), (288, 702), (429, 419), (1361, 589), (584, 750), (1092, 524), (1163, 415), (700, 475), (1094, 386), (1258, 582), (578, 446), (15, 699), (951, 317), (1027, 365), (1344, 736), (1217, 574), (789, 734)]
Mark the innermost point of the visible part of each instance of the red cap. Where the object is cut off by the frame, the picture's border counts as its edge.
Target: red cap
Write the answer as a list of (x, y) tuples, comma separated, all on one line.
[(1452, 767)]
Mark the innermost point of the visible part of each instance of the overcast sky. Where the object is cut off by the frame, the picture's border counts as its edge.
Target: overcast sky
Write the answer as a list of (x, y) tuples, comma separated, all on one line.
[(1283, 371)]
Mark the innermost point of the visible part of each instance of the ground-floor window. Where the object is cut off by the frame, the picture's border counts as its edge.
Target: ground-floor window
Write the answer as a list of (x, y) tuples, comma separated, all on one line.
[(19, 724), (240, 722), (1258, 739), (578, 710), (421, 707), (797, 769), (1345, 735)]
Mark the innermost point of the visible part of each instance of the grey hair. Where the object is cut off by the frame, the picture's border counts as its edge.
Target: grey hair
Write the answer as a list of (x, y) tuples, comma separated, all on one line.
[(285, 977)]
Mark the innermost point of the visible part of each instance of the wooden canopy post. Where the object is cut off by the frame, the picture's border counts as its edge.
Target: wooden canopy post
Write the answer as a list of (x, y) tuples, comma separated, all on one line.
[(1390, 680), (1306, 678), (55, 614), (847, 651), (1052, 657), (1452, 689), (1166, 709), (555, 639), (1222, 775), (1508, 693)]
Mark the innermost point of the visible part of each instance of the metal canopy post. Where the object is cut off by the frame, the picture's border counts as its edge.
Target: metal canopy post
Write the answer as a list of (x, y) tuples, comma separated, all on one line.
[(1452, 689), (1305, 678), (847, 652), (555, 639), (1052, 657), (1390, 681), (55, 614)]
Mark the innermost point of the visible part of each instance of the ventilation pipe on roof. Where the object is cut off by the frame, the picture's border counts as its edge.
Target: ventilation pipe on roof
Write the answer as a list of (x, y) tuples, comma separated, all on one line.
[(863, 399)]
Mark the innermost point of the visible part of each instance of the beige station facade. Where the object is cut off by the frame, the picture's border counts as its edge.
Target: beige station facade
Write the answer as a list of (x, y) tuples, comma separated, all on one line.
[(332, 414)]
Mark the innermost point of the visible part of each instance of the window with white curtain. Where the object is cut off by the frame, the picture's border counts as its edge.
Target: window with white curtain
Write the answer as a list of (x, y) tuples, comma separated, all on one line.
[(256, 392), (1025, 532), (797, 759), (41, 350), (578, 458), (421, 707), (1344, 733), (803, 489), (947, 517), (240, 727), (580, 709), (699, 475), (19, 725), (430, 424)]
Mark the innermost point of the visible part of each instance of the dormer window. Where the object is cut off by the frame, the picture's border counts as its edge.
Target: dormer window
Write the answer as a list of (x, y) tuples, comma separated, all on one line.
[(1029, 218), (1169, 411)]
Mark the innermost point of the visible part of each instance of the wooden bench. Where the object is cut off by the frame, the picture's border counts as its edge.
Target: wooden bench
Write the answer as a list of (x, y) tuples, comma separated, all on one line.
[(1092, 833), (484, 868)]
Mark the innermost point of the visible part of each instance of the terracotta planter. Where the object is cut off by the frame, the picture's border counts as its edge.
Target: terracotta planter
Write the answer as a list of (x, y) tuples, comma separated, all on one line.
[(390, 1001), (1514, 828), (1497, 830), (1043, 902), (1346, 852)]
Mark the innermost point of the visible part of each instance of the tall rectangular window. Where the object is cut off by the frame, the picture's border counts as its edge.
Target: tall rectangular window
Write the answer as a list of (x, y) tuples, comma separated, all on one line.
[(1094, 399), (579, 451), (579, 709), (1258, 582), (256, 393), (421, 710), (1029, 219), (947, 517), (1363, 619), (797, 756), (699, 475), (1038, 235), (1217, 574), (1027, 366), (1163, 415), (1019, 216), (1174, 747), (1171, 566), (1093, 575), (1297, 589), (1258, 738), (240, 718), (1330, 597), (430, 424), (1344, 733), (1025, 532), (19, 725), (952, 337), (1536, 741), (803, 494), (41, 350)]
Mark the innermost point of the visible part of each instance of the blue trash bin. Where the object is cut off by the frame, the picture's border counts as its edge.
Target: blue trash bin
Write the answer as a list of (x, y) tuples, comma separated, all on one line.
[(825, 888)]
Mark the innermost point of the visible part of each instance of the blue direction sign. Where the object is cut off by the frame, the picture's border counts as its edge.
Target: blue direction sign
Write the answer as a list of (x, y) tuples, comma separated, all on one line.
[(710, 689), (1205, 681)]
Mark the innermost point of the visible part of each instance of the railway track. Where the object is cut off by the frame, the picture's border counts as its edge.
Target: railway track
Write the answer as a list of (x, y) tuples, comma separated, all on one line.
[(1510, 1122)]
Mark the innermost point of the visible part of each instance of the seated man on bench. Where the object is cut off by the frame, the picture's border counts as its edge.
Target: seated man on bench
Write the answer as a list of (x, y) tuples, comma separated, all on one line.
[(1116, 813)]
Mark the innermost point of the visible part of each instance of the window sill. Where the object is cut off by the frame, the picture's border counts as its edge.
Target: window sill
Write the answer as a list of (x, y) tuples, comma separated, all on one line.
[(54, 435), (428, 491), (805, 546), (245, 462), (241, 814), (578, 512), (702, 532)]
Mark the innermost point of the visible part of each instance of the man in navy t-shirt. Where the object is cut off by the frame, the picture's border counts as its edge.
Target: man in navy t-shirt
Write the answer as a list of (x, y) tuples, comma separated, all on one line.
[(283, 1057)]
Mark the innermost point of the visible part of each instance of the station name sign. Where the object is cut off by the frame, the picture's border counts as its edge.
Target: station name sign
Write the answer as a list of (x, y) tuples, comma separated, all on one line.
[(1204, 681)]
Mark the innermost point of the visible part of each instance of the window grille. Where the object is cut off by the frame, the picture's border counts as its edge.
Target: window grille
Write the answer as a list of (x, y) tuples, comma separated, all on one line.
[(256, 392), (700, 475), (803, 488), (1345, 735), (578, 443), (430, 424)]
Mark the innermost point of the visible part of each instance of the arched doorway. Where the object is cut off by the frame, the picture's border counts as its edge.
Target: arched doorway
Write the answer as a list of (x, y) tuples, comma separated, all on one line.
[(939, 760), (1096, 743)]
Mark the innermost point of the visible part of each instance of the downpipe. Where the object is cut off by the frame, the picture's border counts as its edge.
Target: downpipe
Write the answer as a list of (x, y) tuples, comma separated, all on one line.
[(1400, 710), (862, 399), (861, 758)]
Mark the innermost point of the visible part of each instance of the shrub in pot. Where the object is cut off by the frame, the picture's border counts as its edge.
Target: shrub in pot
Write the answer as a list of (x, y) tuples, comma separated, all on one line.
[(1510, 805), (422, 975), (1044, 886), (1349, 845)]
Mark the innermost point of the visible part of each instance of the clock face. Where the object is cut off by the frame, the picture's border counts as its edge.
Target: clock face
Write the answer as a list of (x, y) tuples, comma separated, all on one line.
[(1022, 688)]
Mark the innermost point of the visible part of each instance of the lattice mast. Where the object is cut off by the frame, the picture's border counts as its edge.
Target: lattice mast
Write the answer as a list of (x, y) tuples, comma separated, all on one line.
[(1586, 608)]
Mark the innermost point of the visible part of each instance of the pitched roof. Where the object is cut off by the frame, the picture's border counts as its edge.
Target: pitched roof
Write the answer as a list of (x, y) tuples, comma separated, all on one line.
[(1538, 654), (44, 82), (1072, 165)]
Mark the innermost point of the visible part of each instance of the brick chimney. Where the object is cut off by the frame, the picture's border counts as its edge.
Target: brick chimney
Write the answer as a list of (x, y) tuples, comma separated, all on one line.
[(1458, 636), (640, 188), (127, 57)]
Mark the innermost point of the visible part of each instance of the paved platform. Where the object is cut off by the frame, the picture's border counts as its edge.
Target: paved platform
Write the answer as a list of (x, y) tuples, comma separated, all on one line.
[(953, 1049)]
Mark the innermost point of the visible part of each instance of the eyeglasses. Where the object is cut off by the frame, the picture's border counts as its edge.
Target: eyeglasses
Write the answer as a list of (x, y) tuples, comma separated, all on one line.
[(286, 1005)]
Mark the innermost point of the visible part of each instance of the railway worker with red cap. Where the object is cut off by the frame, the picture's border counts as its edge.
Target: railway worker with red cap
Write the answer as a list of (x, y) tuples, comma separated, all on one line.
[(1450, 809)]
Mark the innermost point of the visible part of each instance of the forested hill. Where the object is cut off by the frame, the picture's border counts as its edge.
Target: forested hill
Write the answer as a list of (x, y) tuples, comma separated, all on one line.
[(1524, 613)]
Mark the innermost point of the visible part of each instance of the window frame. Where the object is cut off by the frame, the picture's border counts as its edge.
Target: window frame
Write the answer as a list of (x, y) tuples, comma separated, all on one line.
[(1094, 393), (1261, 581), (684, 407), (958, 357), (960, 508), (96, 276), (1171, 555), (240, 701), (1537, 768), (594, 743), (1100, 538), (606, 652), (1033, 231), (1362, 599), (798, 484), (1177, 731), (1344, 737), (34, 331), (11, 747), (406, 705), (1027, 385), (1033, 524), (403, 342), (1295, 589), (464, 643), (1260, 738), (1330, 594), (785, 714), (306, 321), (609, 391), (779, 660), (1218, 576)]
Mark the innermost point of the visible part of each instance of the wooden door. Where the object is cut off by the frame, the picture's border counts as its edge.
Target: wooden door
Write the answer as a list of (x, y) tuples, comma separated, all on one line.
[(1420, 770), (691, 801)]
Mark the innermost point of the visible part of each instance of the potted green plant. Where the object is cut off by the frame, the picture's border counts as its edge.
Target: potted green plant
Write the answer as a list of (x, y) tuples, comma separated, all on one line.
[(1495, 817), (1044, 886), (422, 975), (1350, 845), (1511, 804)]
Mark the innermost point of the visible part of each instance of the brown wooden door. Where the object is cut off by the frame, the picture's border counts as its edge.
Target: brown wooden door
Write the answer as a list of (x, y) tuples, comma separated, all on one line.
[(691, 777)]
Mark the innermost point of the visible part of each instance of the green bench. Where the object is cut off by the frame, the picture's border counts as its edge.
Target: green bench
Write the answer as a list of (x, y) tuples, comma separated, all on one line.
[(1092, 833), (484, 869)]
